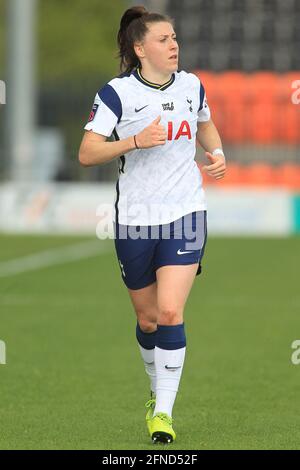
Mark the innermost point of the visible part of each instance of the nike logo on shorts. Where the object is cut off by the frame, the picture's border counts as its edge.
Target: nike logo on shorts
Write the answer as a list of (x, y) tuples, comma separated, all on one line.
[(179, 252), (172, 368), (138, 110)]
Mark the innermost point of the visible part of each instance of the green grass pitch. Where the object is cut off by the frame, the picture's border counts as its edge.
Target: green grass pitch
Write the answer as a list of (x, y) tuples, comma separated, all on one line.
[(74, 378)]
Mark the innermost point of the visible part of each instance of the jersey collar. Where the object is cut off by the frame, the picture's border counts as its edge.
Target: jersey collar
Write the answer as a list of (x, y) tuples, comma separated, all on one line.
[(138, 75)]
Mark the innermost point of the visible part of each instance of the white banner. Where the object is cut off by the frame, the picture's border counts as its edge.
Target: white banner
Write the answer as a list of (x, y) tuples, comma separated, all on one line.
[(77, 208), (241, 211)]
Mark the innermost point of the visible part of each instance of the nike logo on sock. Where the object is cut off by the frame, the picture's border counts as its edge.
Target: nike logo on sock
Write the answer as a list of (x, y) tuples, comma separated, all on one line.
[(172, 368)]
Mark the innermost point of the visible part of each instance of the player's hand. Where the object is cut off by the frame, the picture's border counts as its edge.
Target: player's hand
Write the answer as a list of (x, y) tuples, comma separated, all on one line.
[(217, 166), (152, 135)]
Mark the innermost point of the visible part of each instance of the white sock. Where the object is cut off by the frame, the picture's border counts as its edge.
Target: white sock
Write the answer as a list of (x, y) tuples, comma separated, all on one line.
[(148, 358), (168, 364)]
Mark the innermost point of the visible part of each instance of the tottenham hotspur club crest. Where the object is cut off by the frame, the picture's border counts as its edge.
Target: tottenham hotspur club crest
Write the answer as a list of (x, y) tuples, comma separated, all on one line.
[(190, 103)]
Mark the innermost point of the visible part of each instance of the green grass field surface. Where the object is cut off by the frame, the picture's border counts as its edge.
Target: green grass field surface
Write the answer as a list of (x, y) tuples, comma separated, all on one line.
[(74, 378)]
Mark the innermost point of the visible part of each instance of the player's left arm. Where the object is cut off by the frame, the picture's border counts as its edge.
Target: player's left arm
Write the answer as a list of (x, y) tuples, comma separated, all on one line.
[(209, 139)]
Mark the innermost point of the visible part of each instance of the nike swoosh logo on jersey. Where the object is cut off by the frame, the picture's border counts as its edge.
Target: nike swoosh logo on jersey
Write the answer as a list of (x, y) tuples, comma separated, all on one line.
[(172, 368), (179, 252), (138, 110)]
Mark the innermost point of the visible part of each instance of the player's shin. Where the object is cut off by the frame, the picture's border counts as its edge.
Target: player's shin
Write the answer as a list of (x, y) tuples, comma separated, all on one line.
[(169, 359), (146, 343)]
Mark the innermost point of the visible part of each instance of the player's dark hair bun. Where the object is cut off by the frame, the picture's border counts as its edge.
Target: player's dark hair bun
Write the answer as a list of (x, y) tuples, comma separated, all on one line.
[(130, 15), (133, 27)]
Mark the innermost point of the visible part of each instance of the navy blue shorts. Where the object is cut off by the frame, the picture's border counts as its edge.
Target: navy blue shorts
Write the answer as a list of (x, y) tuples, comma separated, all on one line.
[(142, 249)]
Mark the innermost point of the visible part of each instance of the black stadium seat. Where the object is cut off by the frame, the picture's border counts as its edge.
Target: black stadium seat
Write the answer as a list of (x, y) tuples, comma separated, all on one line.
[(238, 34)]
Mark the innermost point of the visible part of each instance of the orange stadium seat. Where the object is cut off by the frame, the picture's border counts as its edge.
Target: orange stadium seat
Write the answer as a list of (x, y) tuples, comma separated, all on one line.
[(262, 109), (288, 176), (260, 174), (289, 112), (233, 89), (290, 123), (254, 108)]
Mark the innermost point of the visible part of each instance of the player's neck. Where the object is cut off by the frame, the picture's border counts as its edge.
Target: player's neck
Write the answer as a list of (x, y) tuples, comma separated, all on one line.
[(156, 77)]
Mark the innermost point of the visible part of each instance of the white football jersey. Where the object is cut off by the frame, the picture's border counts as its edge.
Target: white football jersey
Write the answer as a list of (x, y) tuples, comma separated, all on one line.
[(160, 184)]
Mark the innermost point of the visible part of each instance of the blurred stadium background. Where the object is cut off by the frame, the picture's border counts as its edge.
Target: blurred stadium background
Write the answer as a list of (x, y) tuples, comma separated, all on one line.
[(59, 320), (245, 52)]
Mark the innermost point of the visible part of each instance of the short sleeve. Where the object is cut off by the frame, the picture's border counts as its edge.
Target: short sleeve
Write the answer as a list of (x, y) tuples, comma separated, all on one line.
[(106, 112), (203, 111)]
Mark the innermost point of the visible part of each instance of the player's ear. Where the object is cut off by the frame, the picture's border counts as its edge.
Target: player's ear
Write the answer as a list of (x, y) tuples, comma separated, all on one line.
[(139, 50)]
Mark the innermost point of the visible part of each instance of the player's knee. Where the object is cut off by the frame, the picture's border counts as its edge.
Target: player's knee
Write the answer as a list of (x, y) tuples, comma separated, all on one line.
[(147, 325), (170, 316)]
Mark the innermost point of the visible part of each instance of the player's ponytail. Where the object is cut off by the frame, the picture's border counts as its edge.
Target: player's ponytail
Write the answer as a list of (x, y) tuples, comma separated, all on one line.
[(133, 27)]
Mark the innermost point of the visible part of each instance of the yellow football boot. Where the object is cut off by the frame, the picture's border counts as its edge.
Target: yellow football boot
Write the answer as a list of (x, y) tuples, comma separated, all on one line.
[(160, 428)]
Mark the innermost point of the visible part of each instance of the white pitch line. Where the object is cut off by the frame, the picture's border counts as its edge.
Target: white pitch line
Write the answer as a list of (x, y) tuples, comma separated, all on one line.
[(61, 255)]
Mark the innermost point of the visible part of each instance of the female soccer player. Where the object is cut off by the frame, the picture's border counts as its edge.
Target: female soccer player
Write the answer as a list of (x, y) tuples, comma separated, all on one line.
[(156, 113)]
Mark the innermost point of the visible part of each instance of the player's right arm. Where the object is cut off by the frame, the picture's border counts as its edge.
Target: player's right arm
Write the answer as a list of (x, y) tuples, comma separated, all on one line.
[(94, 149), (105, 116)]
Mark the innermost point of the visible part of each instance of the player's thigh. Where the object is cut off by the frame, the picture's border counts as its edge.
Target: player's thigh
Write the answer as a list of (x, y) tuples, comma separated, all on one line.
[(145, 305), (174, 283)]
